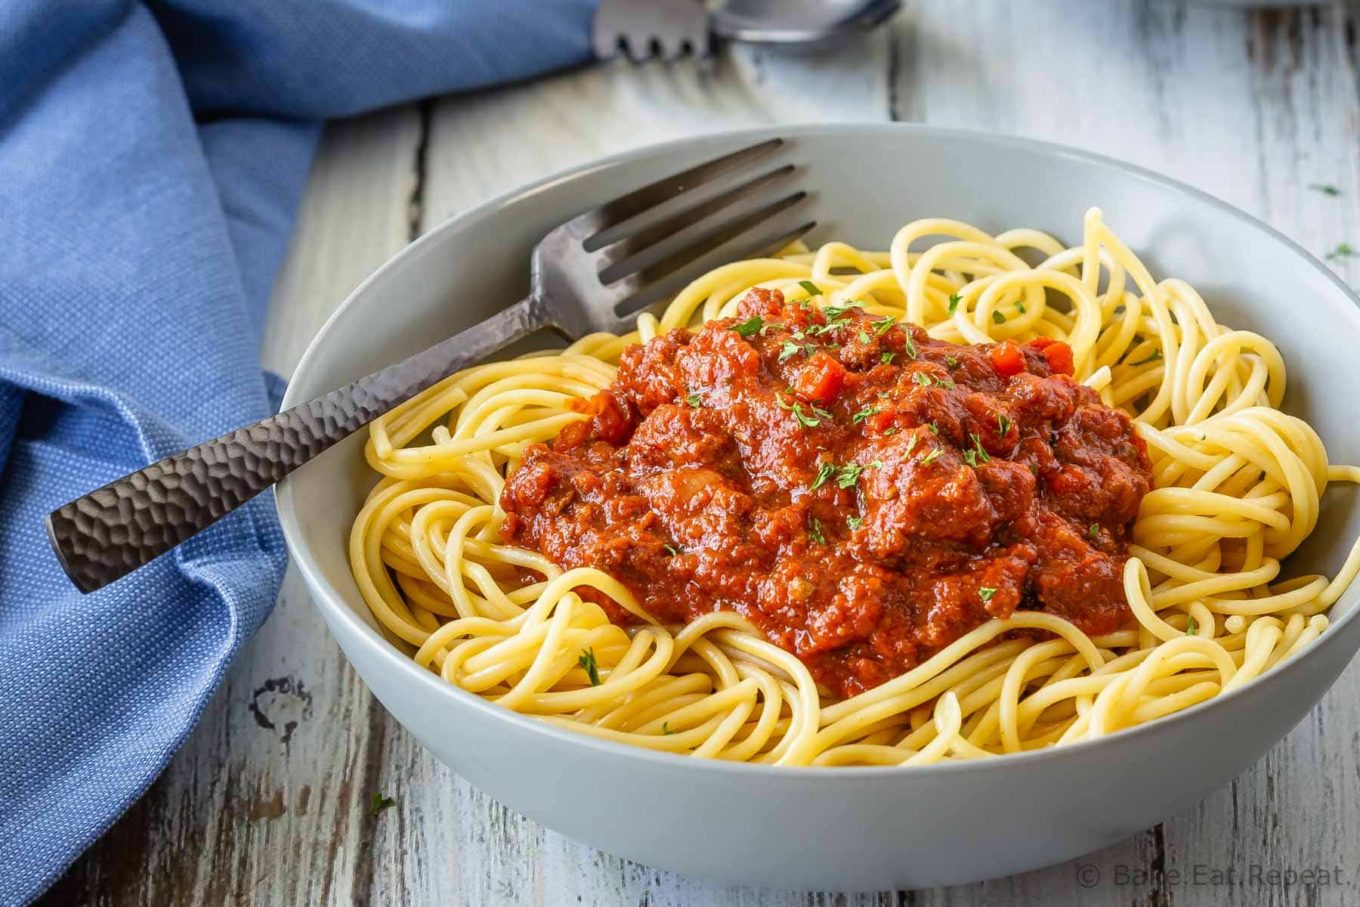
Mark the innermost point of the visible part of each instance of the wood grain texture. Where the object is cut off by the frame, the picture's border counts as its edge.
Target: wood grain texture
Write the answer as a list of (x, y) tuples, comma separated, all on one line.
[(1250, 106)]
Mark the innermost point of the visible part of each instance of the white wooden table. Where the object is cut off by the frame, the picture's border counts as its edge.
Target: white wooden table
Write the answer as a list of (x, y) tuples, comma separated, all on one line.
[(270, 800)]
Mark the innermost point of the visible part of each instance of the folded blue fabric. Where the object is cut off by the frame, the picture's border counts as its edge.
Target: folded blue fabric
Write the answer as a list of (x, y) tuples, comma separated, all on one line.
[(151, 159)]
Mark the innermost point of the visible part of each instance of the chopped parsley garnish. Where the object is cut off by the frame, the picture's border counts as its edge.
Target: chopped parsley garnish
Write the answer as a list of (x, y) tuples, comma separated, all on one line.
[(1191, 625), (909, 346), (864, 414), (811, 288), (863, 337), (587, 661), (911, 444), (750, 327), (673, 551), (887, 358), (985, 593), (932, 456), (951, 361), (933, 427), (666, 728), (1150, 357), (881, 325), (837, 312), (953, 303), (1003, 424), (982, 455), (379, 803), (1020, 307), (810, 419), (694, 400), (998, 318), (1325, 189), (1094, 531), (1342, 250), (849, 475), (925, 379), (824, 474), (854, 522), (815, 531), (790, 348)]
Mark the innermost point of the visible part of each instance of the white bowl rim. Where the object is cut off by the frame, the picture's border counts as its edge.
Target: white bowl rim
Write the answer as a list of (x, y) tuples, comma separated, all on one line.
[(327, 599)]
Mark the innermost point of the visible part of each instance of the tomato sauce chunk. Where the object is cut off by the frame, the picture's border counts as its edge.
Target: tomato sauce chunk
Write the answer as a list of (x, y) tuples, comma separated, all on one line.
[(862, 493)]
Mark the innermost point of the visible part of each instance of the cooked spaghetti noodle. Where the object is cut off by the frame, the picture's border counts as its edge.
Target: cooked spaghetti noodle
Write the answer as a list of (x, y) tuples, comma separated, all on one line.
[(1236, 488)]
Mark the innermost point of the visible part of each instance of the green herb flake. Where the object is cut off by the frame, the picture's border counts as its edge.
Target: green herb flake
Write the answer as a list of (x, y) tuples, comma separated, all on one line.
[(673, 551), (933, 427), (849, 475), (998, 318), (810, 288), (1150, 357), (909, 346), (1342, 250), (815, 531), (854, 522), (824, 474), (982, 455), (666, 728), (379, 803), (1003, 424), (985, 593), (932, 456), (864, 414), (951, 361), (953, 303), (694, 400), (881, 325), (887, 358), (837, 312), (890, 431), (1191, 625), (1020, 307), (1325, 189), (587, 661), (922, 379), (970, 457), (1094, 532), (750, 327)]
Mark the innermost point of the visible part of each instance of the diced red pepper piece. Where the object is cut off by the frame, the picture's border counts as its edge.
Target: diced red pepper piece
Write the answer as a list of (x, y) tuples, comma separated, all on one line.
[(881, 422), (821, 379), (1007, 359), (1058, 354)]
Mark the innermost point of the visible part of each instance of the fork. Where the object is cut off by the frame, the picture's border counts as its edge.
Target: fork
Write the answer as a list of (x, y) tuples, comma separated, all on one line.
[(592, 273)]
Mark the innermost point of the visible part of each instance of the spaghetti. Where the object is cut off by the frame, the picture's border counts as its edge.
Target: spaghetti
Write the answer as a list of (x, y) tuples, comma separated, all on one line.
[(1236, 487)]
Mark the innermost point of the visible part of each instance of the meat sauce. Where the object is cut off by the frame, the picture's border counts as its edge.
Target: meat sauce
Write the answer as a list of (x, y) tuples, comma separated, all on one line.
[(862, 493)]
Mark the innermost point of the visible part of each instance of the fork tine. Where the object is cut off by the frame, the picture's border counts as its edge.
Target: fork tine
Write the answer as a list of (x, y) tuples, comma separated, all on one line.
[(639, 200), (616, 252), (706, 242), (641, 292)]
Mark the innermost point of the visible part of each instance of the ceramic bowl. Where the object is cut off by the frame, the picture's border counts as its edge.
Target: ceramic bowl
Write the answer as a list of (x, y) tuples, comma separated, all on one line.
[(847, 828)]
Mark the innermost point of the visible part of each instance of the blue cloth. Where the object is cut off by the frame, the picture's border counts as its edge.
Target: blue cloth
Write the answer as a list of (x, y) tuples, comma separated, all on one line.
[(151, 159)]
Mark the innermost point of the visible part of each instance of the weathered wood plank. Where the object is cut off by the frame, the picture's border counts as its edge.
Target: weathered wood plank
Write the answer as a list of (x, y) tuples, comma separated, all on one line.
[(266, 802)]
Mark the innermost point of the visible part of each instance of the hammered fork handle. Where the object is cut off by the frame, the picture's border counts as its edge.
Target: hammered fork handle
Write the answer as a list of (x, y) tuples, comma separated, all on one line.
[(115, 529)]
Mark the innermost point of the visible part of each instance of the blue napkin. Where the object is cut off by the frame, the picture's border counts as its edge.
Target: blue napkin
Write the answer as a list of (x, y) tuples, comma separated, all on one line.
[(151, 159)]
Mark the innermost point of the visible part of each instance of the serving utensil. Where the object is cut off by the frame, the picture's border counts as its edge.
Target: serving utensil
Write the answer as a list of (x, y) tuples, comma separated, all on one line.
[(592, 273), (643, 30)]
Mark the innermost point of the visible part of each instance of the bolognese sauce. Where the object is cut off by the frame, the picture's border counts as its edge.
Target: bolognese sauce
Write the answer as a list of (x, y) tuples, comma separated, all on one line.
[(862, 493)]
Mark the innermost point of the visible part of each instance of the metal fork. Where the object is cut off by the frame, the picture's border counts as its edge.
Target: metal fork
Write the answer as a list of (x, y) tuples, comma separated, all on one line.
[(590, 274)]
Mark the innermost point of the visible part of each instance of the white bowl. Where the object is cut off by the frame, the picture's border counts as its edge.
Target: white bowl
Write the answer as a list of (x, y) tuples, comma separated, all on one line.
[(846, 828)]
